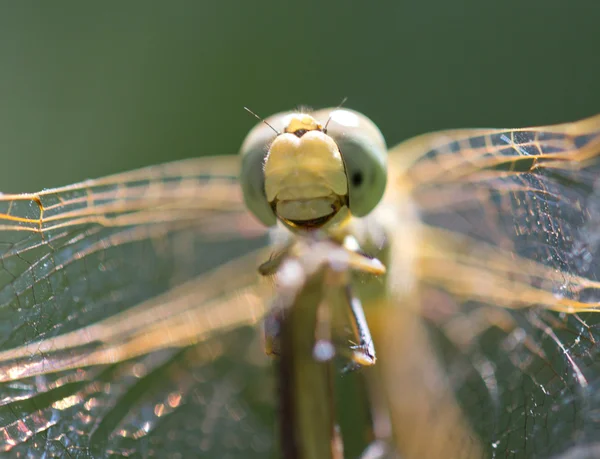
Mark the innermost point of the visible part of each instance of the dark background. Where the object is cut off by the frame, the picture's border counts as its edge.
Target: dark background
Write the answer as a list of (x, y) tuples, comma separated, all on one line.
[(88, 89)]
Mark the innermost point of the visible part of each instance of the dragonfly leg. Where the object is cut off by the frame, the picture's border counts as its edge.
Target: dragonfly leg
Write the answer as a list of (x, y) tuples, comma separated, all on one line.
[(339, 259), (270, 267), (311, 285), (272, 331), (324, 350), (362, 353)]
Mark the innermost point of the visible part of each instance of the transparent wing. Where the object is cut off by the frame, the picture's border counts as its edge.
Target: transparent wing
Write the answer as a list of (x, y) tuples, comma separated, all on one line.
[(510, 266), (102, 284)]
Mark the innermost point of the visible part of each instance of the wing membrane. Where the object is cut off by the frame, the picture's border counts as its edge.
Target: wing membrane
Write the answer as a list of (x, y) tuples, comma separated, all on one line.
[(511, 233), (96, 275)]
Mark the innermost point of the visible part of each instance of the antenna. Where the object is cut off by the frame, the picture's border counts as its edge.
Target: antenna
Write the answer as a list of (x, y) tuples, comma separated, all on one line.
[(260, 119), (336, 108)]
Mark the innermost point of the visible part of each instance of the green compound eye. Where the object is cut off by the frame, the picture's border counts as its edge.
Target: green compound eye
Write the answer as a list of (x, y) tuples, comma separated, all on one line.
[(365, 155)]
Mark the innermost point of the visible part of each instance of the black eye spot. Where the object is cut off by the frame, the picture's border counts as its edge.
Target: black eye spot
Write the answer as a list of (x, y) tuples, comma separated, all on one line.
[(357, 179)]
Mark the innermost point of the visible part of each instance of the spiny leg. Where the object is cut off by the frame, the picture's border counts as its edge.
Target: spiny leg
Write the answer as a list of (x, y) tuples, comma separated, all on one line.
[(310, 253), (330, 299), (363, 352)]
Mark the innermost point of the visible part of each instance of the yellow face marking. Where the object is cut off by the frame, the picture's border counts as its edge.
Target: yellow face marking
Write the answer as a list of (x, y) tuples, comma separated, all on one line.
[(305, 178)]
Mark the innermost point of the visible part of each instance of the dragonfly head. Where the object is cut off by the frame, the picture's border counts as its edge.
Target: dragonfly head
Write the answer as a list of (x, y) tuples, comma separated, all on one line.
[(305, 178), (313, 170)]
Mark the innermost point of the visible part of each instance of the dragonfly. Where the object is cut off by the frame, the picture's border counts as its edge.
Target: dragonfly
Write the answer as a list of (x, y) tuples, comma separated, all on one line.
[(133, 316)]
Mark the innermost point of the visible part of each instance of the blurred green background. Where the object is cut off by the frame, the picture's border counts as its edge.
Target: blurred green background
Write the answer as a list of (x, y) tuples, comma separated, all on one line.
[(89, 89), (93, 88)]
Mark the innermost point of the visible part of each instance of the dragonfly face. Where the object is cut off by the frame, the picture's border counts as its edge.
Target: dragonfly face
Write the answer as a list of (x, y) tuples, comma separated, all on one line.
[(310, 176), (130, 305)]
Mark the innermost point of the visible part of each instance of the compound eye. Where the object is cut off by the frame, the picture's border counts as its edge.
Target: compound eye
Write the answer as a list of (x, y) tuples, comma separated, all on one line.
[(252, 177), (365, 156)]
